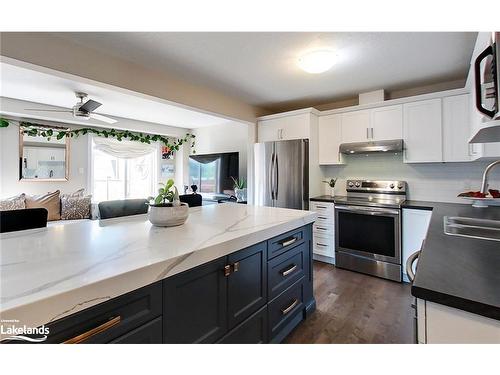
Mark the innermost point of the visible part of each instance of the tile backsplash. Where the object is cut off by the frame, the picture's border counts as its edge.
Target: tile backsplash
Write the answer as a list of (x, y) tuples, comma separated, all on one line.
[(428, 181)]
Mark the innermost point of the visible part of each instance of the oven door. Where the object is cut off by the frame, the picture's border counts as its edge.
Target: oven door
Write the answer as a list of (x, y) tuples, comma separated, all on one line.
[(370, 232)]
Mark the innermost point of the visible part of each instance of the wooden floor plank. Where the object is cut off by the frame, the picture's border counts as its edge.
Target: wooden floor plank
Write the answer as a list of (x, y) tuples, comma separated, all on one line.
[(356, 308)]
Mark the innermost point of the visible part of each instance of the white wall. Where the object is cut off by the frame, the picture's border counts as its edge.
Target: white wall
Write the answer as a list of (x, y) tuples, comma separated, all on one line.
[(432, 182), (228, 137), (9, 166), (79, 164)]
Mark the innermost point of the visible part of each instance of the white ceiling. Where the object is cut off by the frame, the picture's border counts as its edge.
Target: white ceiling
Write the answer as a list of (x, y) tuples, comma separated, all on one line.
[(261, 69), (39, 87)]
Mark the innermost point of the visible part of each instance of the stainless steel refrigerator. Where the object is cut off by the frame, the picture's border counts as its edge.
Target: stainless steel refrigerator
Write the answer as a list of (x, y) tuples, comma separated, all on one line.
[(281, 174)]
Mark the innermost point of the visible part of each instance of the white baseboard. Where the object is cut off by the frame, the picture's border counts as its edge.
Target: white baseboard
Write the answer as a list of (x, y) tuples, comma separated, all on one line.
[(324, 259)]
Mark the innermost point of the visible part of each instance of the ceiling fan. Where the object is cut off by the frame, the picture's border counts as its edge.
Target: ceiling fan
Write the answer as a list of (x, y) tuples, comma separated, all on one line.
[(82, 110)]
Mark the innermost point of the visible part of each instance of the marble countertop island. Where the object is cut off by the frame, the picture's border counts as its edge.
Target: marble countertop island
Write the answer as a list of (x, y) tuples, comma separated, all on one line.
[(49, 273)]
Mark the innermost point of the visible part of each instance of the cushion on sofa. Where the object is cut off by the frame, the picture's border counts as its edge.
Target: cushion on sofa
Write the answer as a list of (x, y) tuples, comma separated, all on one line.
[(13, 203), (78, 193), (75, 207), (49, 201)]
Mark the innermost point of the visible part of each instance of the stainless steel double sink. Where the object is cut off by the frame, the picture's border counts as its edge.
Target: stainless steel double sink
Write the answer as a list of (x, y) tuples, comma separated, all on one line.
[(474, 228)]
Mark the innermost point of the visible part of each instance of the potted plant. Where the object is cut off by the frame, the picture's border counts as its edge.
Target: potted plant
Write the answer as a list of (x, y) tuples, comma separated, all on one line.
[(166, 210), (240, 189), (331, 183)]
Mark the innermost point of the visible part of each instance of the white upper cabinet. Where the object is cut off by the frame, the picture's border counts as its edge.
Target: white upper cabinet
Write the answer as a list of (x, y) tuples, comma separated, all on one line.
[(376, 124), (284, 128), (457, 129), (422, 131), (329, 139), (387, 123), (356, 126)]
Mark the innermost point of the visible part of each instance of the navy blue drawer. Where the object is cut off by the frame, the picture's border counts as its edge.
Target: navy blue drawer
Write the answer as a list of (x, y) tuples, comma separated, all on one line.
[(130, 311), (149, 333), (284, 308), (280, 244), (286, 269)]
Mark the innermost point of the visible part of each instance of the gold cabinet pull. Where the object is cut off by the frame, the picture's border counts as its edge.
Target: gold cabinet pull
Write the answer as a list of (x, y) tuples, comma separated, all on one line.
[(94, 331), (236, 267), (290, 308), (227, 270), (289, 241), (289, 271)]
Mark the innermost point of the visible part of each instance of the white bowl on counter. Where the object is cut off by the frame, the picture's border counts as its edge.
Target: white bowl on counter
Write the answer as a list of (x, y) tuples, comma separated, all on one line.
[(168, 215)]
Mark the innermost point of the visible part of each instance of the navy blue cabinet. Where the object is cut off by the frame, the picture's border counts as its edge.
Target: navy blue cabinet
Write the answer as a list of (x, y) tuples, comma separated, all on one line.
[(195, 304), (247, 283), (254, 330)]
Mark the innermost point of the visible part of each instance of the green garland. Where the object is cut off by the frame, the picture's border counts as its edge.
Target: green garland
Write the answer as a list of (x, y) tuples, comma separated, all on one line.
[(43, 131)]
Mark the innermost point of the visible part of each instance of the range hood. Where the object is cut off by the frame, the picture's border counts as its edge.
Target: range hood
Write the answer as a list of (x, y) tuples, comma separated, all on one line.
[(395, 145), (490, 132)]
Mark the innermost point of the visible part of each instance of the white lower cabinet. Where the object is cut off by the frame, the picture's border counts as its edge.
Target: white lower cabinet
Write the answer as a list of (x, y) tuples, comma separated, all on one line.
[(323, 232), (415, 224), (440, 324)]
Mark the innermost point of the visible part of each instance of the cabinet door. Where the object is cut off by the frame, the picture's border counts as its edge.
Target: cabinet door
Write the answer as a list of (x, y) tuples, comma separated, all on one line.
[(284, 128), (247, 283), (415, 224), (330, 137), (387, 123), (269, 130), (251, 331), (456, 129), (422, 131), (195, 305), (355, 126)]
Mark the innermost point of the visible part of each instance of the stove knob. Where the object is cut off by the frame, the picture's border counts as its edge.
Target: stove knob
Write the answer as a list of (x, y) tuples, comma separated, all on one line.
[(351, 184), (358, 184), (391, 186), (400, 186)]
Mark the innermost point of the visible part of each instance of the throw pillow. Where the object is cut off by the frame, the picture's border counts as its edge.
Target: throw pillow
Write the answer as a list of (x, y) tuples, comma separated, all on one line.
[(73, 208), (13, 203), (49, 201), (78, 193)]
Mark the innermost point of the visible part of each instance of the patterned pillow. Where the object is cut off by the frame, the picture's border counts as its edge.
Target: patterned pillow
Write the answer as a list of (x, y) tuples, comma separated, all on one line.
[(73, 208), (78, 193), (13, 203)]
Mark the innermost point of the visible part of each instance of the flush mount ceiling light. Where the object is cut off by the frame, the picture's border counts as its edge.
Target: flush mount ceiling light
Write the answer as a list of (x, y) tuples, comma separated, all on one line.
[(316, 62)]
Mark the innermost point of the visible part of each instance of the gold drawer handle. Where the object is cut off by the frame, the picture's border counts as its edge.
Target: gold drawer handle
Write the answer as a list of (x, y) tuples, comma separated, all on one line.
[(289, 241), (94, 331), (289, 271), (290, 308)]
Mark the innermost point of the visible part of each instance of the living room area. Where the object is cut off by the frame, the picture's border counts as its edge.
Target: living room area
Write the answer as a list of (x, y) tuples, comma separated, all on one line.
[(83, 149)]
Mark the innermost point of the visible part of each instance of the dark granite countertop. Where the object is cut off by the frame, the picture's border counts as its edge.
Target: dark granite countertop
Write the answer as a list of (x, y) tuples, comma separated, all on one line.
[(323, 198), (457, 271)]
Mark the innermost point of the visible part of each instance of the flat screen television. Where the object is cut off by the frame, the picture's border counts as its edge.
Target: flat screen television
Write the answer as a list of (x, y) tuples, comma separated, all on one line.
[(212, 172)]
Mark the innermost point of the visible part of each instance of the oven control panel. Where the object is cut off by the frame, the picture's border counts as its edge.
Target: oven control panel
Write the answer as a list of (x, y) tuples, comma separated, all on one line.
[(376, 186)]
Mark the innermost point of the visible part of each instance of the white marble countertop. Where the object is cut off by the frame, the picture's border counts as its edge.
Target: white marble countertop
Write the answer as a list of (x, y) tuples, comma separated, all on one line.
[(49, 273)]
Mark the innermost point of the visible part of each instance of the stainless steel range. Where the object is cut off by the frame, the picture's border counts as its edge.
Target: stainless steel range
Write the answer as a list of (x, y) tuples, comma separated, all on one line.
[(368, 227)]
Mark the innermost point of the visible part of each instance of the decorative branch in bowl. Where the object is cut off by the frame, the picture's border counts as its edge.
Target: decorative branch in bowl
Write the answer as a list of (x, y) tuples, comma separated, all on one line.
[(167, 209), (331, 183)]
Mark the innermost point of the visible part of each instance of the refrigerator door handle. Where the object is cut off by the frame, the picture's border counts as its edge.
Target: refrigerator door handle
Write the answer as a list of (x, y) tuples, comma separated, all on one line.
[(271, 177), (277, 178)]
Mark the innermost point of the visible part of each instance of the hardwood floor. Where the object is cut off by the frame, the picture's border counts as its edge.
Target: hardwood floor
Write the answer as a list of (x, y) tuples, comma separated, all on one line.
[(353, 308)]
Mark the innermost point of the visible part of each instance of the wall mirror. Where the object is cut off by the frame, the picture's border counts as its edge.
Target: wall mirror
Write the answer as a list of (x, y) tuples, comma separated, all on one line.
[(42, 158)]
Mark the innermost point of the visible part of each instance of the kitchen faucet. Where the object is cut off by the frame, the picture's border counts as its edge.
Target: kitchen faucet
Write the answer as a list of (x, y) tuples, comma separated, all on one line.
[(484, 185)]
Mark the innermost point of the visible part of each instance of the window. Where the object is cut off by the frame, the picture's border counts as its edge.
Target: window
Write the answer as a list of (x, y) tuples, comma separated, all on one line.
[(119, 177), (205, 176)]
